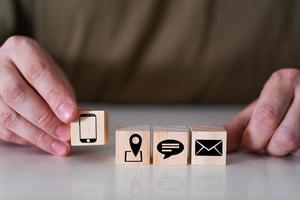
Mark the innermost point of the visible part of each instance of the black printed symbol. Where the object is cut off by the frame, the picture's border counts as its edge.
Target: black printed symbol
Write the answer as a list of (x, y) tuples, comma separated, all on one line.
[(135, 155), (170, 148), (88, 128), (208, 147)]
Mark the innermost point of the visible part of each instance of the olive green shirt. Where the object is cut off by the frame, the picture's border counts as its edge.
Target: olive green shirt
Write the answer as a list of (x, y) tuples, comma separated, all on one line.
[(164, 51)]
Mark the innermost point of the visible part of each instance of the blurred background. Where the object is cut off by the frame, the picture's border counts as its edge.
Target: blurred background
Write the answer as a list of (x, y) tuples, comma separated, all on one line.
[(161, 51)]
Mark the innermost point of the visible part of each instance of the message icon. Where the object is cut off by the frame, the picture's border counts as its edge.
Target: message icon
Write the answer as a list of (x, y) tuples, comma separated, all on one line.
[(170, 148)]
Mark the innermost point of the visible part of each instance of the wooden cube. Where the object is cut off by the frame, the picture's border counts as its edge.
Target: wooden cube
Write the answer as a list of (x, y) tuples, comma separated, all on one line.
[(208, 145), (91, 128), (133, 145), (170, 145)]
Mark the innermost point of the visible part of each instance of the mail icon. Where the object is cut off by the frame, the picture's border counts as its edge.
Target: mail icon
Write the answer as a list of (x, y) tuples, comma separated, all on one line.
[(208, 147)]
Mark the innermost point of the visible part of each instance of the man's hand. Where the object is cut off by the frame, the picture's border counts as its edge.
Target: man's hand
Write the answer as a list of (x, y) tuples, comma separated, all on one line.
[(36, 100), (272, 122)]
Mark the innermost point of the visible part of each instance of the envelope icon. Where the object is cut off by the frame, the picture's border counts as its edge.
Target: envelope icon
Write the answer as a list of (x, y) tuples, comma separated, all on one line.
[(208, 147)]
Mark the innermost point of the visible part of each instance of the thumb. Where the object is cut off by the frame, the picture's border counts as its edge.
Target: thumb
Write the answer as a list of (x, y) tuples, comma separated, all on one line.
[(236, 126)]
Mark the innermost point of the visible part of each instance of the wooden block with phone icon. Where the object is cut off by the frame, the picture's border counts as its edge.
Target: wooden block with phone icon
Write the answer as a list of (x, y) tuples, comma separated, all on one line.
[(133, 145), (170, 145), (91, 128), (208, 145)]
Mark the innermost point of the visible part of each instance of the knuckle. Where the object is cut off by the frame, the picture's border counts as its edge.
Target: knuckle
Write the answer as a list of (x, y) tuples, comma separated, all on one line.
[(286, 74), (7, 136), (287, 139), (289, 72), (55, 95), (13, 92), (8, 118), (44, 120), (36, 71), (39, 139), (267, 115), (15, 41)]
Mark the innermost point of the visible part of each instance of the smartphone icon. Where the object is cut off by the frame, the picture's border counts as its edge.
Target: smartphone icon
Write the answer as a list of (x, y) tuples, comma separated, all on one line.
[(88, 128)]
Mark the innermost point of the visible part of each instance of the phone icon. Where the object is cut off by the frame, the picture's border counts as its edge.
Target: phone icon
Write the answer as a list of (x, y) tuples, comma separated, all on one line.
[(88, 128)]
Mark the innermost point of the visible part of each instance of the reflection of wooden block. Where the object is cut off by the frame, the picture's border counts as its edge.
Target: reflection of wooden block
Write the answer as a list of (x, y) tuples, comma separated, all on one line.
[(170, 145), (91, 128), (208, 145), (133, 145)]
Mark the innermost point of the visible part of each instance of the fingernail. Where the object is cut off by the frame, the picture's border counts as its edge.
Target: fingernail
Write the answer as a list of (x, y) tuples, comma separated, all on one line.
[(59, 148), (66, 111), (63, 133)]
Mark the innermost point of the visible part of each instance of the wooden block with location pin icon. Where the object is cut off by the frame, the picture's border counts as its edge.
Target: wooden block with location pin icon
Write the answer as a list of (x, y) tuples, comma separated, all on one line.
[(133, 145), (208, 145), (170, 145)]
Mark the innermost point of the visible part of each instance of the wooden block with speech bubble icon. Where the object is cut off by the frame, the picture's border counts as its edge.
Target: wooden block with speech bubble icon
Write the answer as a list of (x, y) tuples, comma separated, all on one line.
[(170, 145), (91, 128), (133, 145), (208, 145)]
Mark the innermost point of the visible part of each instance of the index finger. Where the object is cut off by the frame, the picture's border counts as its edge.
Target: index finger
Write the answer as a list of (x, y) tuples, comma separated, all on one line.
[(269, 110), (235, 128), (43, 74)]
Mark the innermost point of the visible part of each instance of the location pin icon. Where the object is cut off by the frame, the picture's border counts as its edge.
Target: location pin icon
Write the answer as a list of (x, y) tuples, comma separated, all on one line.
[(135, 141)]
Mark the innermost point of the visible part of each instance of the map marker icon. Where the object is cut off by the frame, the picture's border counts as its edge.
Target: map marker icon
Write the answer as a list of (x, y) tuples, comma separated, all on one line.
[(135, 141)]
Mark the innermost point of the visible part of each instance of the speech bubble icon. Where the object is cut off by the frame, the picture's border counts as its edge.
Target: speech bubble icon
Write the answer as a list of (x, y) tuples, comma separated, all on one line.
[(170, 147)]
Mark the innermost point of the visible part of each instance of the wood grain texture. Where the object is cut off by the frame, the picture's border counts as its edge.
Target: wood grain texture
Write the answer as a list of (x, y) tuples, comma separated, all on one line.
[(173, 133), (212, 133), (124, 152), (90, 125)]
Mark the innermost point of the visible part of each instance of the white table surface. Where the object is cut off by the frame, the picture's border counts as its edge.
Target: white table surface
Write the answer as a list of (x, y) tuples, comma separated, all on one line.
[(90, 173)]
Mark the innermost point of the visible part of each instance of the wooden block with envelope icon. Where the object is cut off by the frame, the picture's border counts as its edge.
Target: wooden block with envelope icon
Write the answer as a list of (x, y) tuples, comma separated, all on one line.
[(208, 145)]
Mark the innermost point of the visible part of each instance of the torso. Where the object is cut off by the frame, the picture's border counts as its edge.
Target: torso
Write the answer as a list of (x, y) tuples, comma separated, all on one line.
[(172, 51)]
